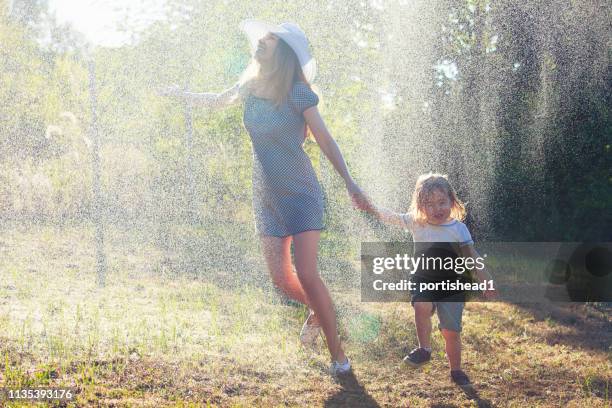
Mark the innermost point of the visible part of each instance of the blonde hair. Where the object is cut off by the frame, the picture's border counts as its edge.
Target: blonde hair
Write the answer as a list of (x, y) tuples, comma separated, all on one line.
[(425, 185), (285, 71)]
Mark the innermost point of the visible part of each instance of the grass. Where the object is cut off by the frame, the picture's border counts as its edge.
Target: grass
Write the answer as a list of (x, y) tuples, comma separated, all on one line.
[(154, 336)]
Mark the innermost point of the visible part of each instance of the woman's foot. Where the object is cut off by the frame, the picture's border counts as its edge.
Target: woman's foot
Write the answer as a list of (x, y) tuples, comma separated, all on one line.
[(310, 331), (340, 368)]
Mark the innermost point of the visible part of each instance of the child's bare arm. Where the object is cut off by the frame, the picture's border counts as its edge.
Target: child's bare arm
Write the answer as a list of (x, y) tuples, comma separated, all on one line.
[(481, 274), (385, 215)]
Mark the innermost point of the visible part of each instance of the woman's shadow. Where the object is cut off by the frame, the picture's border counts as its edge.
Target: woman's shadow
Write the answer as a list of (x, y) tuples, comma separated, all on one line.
[(351, 395)]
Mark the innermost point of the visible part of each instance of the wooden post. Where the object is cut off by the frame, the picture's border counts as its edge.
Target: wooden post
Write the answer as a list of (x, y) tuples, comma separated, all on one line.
[(97, 201), (191, 210)]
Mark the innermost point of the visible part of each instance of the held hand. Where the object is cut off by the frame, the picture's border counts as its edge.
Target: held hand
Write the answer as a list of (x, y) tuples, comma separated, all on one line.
[(172, 90), (358, 197)]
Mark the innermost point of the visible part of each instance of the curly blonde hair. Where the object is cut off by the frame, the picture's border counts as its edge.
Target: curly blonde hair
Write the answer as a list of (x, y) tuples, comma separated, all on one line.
[(425, 185)]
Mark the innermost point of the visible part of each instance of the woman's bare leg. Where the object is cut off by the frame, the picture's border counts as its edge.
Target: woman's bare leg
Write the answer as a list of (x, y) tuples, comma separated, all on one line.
[(306, 248), (277, 252)]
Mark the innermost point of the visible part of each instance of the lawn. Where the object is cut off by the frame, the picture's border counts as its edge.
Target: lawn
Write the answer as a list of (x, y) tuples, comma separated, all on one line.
[(154, 336)]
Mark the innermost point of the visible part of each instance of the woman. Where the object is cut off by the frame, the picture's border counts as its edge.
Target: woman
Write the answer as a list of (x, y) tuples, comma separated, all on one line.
[(279, 107)]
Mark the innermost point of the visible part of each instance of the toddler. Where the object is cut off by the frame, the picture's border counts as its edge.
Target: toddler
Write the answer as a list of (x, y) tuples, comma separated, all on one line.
[(435, 216)]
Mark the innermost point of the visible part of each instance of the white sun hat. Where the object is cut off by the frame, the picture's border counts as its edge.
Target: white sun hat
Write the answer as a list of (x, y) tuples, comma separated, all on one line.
[(288, 32)]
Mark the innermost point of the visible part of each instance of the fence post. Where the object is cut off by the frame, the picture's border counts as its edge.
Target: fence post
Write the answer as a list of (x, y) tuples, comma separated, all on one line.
[(97, 201), (191, 211)]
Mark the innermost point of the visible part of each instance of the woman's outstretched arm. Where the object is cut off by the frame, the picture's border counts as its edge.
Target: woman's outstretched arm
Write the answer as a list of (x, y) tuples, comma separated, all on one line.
[(205, 99), (331, 150)]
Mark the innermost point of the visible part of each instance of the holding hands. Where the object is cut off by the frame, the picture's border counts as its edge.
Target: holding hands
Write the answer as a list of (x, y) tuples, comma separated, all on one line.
[(359, 198)]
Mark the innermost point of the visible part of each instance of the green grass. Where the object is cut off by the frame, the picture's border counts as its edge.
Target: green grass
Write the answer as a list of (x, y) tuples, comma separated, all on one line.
[(158, 337)]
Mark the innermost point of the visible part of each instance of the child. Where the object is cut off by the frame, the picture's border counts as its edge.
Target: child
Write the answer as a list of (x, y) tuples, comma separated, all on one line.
[(435, 215)]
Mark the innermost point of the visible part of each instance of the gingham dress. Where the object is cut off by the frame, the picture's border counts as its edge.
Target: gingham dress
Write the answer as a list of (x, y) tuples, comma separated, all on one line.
[(287, 197)]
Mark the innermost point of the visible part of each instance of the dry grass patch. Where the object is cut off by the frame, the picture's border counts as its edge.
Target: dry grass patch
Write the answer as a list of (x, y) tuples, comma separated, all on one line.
[(156, 339)]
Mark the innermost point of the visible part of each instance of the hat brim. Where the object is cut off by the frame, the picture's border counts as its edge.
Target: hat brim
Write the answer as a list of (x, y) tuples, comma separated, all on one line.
[(255, 30)]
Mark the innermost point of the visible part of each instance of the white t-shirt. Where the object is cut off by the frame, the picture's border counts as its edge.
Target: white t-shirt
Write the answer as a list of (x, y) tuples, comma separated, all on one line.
[(452, 231)]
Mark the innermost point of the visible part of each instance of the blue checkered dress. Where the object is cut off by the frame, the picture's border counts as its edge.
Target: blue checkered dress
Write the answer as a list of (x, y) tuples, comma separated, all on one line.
[(287, 197)]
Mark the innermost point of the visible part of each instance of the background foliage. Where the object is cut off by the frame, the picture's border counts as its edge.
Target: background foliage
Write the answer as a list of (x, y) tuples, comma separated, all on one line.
[(511, 99)]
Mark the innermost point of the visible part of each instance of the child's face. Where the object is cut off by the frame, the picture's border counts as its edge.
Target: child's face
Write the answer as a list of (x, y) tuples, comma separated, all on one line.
[(437, 207)]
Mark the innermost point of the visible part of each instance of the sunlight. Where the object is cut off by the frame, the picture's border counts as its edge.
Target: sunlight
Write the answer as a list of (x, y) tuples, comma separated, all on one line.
[(100, 20)]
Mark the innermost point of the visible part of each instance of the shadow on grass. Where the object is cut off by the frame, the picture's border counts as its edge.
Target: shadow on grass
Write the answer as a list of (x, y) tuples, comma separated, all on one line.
[(591, 330), (472, 394), (352, 394)]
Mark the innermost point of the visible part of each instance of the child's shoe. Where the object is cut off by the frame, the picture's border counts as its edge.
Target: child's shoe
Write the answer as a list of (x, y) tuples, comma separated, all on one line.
[(418, 357), (340, 368), (460, 378)]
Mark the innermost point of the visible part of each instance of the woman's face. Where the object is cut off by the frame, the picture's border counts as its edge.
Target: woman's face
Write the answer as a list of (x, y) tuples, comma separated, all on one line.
[(266, 47)]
